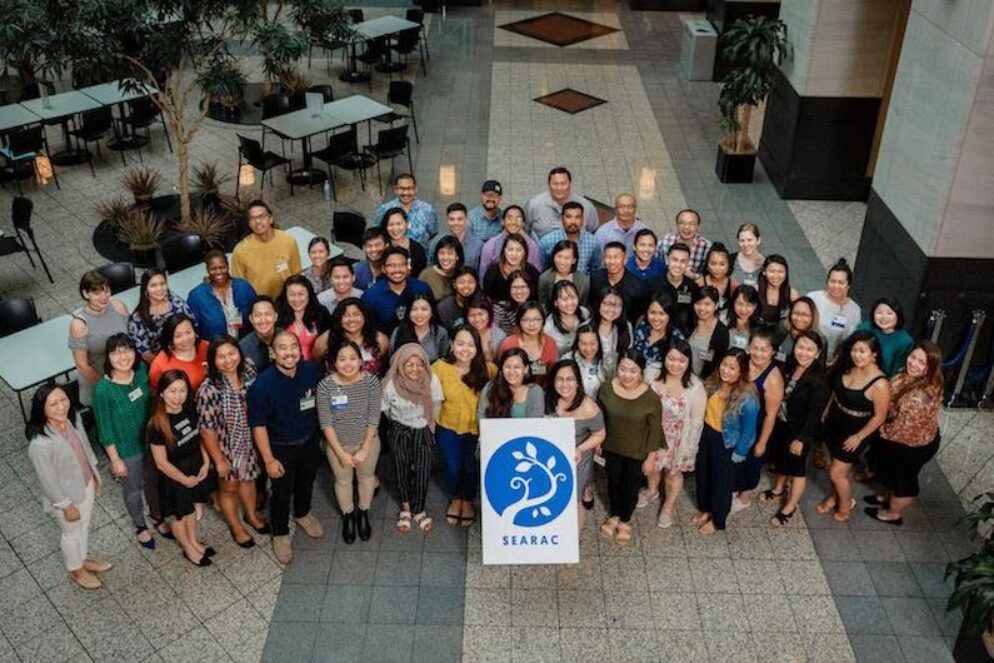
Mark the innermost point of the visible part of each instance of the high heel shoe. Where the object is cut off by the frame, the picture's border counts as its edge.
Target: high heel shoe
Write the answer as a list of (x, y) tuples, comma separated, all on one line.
[(364, 529), (348, 527), (204, 561), (166, 533)]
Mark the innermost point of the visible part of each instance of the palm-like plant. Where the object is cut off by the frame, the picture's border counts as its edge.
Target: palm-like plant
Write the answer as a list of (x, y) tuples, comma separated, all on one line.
[(207, 179), (140, 230), (212, 226), (755, 46), (973, 591)]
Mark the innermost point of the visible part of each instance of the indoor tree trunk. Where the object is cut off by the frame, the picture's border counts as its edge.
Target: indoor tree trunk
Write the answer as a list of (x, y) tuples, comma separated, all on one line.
[(742, 143), (183, 158)]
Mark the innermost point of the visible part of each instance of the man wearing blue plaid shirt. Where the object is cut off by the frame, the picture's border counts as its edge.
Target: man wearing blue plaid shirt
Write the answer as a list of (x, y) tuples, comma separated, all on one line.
[(422, 221), (572, 229), (688, 231)]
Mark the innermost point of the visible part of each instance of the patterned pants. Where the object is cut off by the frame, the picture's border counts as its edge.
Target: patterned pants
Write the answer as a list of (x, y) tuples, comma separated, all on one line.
[(412, 450)]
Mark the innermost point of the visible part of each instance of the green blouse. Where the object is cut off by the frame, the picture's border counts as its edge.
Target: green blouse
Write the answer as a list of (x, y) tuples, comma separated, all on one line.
[(634, 425), (121, 411)]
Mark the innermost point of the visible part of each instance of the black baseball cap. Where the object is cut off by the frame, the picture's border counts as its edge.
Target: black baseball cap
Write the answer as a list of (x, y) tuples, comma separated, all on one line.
[(492, 186)]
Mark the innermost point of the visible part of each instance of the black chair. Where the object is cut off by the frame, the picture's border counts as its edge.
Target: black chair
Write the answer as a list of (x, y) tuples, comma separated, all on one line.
[(274, 105), (375, 50), (341, 152), (95, 125), (120, 274), (418, 16), (33, 90), (390, 144), (142, 114), (22, 147), (21, 211), (17, 314), (251, 152), (407, 43), (356, 16), (348, 228), (326, 92), (182, 252), (401, 93)]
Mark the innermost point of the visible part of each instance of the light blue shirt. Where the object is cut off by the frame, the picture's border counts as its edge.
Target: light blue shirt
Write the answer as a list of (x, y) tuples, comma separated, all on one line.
[(422, 221), (612, 232), (544, 214), (590, 251), (483, 227)]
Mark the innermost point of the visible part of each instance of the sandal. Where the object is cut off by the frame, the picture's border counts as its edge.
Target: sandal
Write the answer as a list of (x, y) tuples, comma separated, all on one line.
[(875, 514), (467, 521), (404, 522), (424, 521), (609, 527), (825, 506), (842, 515), (780, 519), (768, 495), (623, 537)]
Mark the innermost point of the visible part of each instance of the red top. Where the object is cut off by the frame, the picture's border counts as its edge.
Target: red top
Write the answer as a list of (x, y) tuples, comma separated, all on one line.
[(306, 338), (196, 370), (541, 365)]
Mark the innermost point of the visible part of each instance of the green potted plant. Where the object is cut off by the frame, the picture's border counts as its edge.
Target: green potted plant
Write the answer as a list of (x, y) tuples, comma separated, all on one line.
[(114, 211), (973, 578), (142, 182), (207, 181), (223, 84), (755, 46), (212, 226), (141, 231)]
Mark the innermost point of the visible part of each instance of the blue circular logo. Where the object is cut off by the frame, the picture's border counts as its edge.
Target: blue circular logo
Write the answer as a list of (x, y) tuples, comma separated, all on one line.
[(528, 481)]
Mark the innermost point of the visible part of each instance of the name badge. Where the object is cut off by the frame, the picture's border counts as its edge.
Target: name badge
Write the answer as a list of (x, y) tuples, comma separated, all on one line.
[(236, 321), (282, 267), (683, 298), (706, 355), (401, 310), (781, 357), (339, 402), (838, 322), (749, 280), (739, 342), (599, 460), (307, 402), (538, 368), (135, 395)]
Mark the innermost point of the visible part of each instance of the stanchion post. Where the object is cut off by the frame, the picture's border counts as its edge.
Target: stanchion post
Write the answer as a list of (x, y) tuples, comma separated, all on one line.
[(979, 315), (935, 320)]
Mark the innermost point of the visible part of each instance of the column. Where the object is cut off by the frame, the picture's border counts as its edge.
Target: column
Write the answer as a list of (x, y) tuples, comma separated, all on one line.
[(929, 231), (822, 115)]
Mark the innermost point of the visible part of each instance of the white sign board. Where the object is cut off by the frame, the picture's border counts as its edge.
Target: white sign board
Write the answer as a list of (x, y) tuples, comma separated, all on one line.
[(528, 491), (315, 102)]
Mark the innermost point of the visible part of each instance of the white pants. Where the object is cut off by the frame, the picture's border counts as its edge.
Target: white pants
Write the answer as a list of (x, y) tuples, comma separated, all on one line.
[(76, 535)]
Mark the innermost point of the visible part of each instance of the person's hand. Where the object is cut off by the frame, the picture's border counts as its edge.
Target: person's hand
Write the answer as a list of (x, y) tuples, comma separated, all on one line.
[(71, 513), (118, 468), (852, 443), (359, 456), (223, 468), (577, 457), (737, 458), (796, 447), (191, 480), (759, 449), (205, 469), (346, 460), (274, 469)]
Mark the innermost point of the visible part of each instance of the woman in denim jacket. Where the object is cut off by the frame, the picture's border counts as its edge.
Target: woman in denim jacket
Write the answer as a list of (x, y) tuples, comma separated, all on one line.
[(729, 433)]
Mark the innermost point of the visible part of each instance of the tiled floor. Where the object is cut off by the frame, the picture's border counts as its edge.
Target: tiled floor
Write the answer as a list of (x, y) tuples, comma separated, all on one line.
[(815, 591)]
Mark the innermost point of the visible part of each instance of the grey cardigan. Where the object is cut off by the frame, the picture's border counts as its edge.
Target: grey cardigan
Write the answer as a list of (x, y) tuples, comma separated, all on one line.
[(534, 401), (58, 470)]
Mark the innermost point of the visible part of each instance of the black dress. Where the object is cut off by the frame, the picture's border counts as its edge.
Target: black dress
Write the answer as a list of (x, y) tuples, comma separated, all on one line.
[(175, 499), (848, 413)]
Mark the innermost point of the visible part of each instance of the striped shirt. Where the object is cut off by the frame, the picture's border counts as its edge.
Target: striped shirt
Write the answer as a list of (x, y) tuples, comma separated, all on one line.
[(350, 409)]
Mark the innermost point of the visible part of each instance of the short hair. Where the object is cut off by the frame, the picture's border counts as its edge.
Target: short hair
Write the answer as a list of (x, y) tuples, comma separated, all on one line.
[(92, 280), (748, 227), (893, 305), (572, 205), (258, 202), (261, 299), (340, 261), (395, 251), (688, 211), (559, 170), (284, 332), (449, 241), (644, 232), (404, 176), (564, 245), (115, 341), (615, 245), (319, 240), (390, 212), (678, 246), (841, 266), (213, 254), (373, 233), (169, 331), (455, 207)]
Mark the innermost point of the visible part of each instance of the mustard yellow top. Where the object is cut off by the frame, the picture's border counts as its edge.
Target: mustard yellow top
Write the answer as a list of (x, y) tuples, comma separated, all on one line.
[(715, 410), (266, 265), (458, 411)]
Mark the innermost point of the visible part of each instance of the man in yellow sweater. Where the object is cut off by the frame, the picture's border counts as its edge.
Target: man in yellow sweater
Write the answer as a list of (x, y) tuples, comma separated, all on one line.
[(267, 257)]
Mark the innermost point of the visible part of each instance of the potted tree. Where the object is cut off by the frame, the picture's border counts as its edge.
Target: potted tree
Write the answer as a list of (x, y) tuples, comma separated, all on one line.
[(210, 224), (141, 231), (223, 84), (755, 46), (142, 182), (973, 585), (207, 182)]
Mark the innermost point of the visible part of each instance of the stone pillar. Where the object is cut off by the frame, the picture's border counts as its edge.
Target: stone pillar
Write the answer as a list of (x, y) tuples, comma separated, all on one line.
[(822, 115), (929, 231)]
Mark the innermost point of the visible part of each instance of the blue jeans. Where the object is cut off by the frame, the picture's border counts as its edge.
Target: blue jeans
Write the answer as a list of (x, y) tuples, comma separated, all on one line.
[(461, 466)]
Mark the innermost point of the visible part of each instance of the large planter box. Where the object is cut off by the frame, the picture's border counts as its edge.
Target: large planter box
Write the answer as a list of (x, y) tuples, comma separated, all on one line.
[(735, 168)]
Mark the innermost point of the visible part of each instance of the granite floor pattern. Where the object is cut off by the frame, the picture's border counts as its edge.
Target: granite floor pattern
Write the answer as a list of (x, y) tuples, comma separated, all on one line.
[(814, 591)]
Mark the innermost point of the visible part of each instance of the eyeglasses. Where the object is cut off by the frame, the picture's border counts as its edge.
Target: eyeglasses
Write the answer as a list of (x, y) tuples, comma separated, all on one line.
[(610, 304), (258, 217), (565, 379)]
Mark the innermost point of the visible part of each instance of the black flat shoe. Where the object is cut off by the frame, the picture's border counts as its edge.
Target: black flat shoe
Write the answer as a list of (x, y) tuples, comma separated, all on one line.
[(587, 504), (204, 561), (148, 545), (875, 514), (209, 552), (873, 500), (167, 533), (365, 531), (247, 543), (348, 527), (265, 529)]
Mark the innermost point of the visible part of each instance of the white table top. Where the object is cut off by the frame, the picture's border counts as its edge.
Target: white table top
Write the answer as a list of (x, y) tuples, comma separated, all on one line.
[(60, 105), (112, 93), (356, 109), (39, 353), (382, 26), (334, 114), (13, 116)]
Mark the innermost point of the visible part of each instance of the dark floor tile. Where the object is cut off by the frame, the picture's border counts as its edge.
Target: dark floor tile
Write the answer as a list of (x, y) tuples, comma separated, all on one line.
[(931, 579), (440, 569), (558, 29), (442, 606), (309, 567), (862, 614), (835, 545), (893, 579), (910, 616), (288, 641), (923, 649), (352, 567), (389, 643), (438, 644), (445, 539), (848, 578), (299, 603), (347, 603), (878, 546), (398, 568), (949, 621), (393, 605), (923, 546), (876, 648), (338, 643)]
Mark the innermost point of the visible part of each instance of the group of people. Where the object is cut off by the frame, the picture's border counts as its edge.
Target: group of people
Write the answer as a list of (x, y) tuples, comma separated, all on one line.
[(672, 355)]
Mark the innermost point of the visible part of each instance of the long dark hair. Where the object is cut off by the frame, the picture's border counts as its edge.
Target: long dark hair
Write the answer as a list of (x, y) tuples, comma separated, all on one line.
[(751, 296), (450, 242), (621, 324), (557, 319), (340, 345), (819, 363), (169, 330), (405, 330), (327, 247), (143, 301), (719, 247), (481, 301), (932, 380), (115, 341), (552, 396), (464, 270), (662, 300), (499, 398), (368, 324), (315, 315), (477, 376), (587, 328), (520, 239), (565, 245), (843, 356), (683, 348), (783, 301), (37, 420), (159, 421), (213, 374), (530, 305)]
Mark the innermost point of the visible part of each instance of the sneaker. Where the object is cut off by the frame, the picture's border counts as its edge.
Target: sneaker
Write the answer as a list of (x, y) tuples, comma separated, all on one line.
[(282, 549), (738, 505), (645, 498), (311, 526), (665, 520)]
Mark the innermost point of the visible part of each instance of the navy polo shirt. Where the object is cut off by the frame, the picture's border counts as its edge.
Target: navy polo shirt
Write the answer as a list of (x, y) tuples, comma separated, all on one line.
[(284, 405), (386, 306)]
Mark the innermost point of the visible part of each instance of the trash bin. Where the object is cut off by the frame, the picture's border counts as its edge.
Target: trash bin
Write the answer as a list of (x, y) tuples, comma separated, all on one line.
[(700, 41)]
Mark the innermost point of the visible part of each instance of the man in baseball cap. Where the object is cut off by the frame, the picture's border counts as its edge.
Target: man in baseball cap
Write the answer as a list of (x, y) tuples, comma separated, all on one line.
[(485, 218)]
